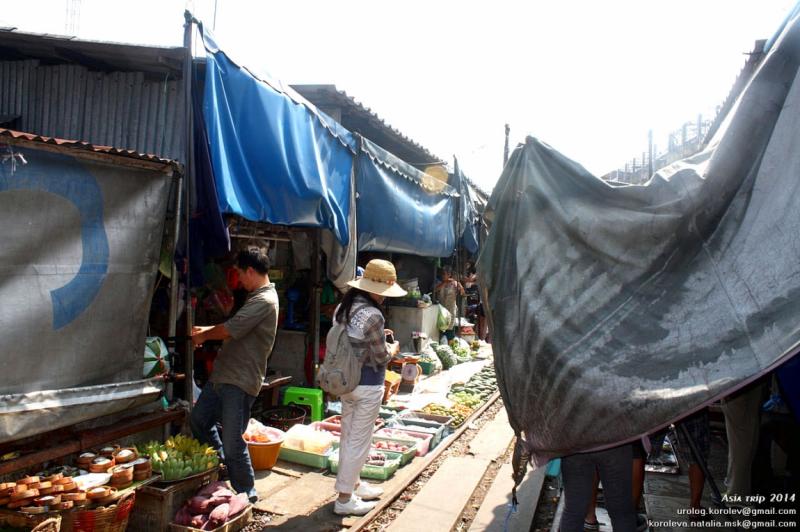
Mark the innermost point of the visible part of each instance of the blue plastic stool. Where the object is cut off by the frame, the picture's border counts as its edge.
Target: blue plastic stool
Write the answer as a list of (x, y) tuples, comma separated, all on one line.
[(311, 397)]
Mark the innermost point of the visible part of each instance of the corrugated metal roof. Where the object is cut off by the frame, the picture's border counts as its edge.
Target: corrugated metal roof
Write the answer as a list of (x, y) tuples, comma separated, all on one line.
[(360, 118), (86, 146), (98, 55), (107, 94), (123, 109)]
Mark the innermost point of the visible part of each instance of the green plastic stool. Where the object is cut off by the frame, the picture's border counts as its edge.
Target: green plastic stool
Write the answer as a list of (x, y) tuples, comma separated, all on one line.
[(311, 397)]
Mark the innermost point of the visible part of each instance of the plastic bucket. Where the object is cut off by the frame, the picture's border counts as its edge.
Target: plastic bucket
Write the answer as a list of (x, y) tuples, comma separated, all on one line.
[(264, 455), (283, 417)]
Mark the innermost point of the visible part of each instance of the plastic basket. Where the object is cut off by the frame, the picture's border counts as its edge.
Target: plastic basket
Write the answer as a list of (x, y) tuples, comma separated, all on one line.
[(374, 472), (436, 431), (423, 418), (422, 440), (428, 368), (405, 457), (337, 420), (386, 414), (319, 461), (333, 428), (283, 417)]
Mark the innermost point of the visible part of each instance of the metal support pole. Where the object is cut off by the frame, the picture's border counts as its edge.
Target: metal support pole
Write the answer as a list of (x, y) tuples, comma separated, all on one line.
[(173, 285), (317, 284), (188, 28)]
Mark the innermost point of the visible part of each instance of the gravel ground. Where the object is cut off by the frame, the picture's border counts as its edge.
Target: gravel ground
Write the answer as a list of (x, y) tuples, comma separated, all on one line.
[(259, 522), (546, 507)]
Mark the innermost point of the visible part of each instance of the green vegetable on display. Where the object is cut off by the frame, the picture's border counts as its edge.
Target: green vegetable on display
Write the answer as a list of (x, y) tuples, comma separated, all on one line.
[(446, 356)]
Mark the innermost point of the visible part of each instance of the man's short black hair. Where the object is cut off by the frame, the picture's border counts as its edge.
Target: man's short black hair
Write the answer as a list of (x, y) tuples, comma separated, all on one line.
[(253, 258)]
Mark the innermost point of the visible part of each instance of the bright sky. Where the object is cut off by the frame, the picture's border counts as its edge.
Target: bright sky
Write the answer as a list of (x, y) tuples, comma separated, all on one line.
[(589, 78)]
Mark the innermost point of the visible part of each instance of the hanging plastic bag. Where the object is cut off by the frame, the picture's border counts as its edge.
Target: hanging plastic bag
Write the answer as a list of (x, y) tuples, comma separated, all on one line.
[(444, 319)]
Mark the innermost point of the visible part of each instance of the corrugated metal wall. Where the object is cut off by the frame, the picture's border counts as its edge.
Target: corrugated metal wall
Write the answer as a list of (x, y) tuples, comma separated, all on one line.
[(120, 109)]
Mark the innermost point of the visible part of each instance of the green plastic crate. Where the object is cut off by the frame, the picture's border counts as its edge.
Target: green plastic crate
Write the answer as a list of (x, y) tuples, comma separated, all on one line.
[(320, 461), (407, 456), (372, 471)]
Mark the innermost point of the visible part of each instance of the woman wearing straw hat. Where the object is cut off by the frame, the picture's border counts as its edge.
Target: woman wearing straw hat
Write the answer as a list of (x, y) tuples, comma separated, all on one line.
[(361, 312)]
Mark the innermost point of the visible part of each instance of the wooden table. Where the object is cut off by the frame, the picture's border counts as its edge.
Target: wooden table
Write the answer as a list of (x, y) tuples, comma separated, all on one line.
[(272, 384)]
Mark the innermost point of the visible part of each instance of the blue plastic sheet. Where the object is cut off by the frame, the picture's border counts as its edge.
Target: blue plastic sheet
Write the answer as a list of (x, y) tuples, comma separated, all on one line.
[(468, 216), (276, 158), (401, 209)]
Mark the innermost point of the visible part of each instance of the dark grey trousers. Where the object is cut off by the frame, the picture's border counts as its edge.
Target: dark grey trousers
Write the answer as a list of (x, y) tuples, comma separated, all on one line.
[(615, 467)]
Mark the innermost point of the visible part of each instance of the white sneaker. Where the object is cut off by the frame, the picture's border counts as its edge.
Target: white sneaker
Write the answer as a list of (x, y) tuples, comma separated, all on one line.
[(355, 506), (368, 492)]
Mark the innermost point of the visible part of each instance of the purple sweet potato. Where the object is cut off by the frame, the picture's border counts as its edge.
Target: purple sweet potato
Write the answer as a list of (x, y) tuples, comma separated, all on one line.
[(199, 520), (209, 490), (184, 516), (224, 492), (219, 515), (198, 504), (220, 497), (238, 504)]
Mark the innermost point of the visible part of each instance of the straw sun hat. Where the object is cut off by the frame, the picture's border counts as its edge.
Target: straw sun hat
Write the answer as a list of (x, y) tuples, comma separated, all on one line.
[(379, 278)]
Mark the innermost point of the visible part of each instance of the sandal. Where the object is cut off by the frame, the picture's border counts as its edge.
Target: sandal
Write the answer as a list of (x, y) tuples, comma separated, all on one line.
[(592, 527)]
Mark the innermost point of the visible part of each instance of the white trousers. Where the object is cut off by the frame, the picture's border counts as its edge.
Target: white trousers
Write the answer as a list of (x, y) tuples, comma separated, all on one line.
[(359, 410)]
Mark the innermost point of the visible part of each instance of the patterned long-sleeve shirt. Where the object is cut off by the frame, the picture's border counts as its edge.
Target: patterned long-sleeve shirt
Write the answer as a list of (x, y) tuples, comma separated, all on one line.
[(367, 334)]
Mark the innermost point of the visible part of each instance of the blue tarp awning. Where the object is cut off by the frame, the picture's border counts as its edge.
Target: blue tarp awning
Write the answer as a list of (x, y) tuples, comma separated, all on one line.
[(401, 209), (468, 216), (275, 157)]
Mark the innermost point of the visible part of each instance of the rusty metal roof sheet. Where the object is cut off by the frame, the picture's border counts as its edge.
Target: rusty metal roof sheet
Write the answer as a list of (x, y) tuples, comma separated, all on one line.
[(86, 146)]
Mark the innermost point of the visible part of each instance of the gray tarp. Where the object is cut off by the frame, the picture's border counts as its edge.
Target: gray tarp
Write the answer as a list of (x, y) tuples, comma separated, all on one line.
[(619, 309), (79, 249)]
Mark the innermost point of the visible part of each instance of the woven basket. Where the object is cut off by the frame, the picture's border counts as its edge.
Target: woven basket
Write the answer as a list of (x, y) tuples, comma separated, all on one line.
[(39, 523), (53, 524), (112, 518)]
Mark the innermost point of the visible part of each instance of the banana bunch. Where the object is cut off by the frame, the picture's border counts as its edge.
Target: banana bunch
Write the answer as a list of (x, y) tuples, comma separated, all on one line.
[(177, 468), (188, 446), (179, 457)]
